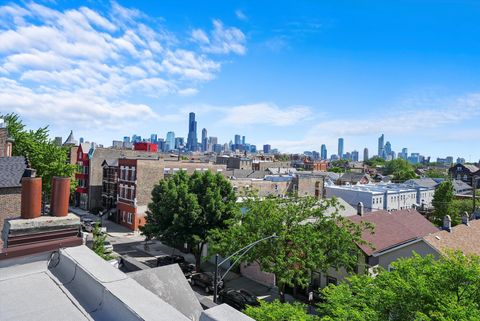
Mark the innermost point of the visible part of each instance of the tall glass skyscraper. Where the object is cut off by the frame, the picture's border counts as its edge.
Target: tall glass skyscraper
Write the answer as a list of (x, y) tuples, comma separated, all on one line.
[(170, 141), (192, 133), (340, 148), (365, 154), (323, 152), (381, 146), (204, 140)]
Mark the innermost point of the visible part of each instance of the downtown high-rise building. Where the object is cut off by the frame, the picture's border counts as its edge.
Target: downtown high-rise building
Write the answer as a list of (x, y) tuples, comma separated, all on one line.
[(267, 149), (243, 140), (365, 154), (354, 156), (153, 138), (340, 148), (323, 152), (192, 133), (381, 146), (170, 141), (237, 140), (179, 142), (204, 140)]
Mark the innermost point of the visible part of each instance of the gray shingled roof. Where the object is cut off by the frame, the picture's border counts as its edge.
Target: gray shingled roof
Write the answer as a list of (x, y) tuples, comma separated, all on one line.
[(12, 170)]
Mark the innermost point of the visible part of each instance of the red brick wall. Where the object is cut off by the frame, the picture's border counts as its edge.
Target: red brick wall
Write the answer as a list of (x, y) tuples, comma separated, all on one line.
[(9, 205)]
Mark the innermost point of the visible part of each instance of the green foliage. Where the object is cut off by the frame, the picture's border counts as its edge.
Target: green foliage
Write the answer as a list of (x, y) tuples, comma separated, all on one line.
[(98, 245), (301, 247), (45, 157), (436, 173), (336, 170), (282, 157), (342, 163), (277, 311), (417, 289), (400, 169), (375, 161), (442, 203), (185, 208), (459, 207)]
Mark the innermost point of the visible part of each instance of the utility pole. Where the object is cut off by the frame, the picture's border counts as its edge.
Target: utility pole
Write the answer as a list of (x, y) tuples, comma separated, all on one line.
[(474, 189)]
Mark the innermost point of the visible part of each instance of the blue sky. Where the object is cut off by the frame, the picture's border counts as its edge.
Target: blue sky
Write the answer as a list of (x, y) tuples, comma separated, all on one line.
[(292, 74)]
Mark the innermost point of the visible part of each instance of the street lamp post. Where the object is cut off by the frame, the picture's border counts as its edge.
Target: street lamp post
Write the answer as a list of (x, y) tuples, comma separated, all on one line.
[(243, 251)]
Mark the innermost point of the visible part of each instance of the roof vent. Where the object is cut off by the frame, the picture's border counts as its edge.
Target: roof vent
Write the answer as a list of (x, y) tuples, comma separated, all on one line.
[(447, 223), (466, 219), (360, 209)]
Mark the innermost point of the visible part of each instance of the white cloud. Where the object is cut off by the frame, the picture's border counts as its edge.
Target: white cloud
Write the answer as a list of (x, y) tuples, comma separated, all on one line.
[(401, 121), (222, 40), (241, 15), (82, 59), (261, 113)]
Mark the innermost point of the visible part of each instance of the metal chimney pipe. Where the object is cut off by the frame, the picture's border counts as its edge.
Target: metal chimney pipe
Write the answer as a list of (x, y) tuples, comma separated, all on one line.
[(360, 209), (31, 199), (447, 223), (60, 196)]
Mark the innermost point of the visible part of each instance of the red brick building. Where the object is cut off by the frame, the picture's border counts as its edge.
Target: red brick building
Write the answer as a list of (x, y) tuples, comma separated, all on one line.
[(146, 146), (136, 179)]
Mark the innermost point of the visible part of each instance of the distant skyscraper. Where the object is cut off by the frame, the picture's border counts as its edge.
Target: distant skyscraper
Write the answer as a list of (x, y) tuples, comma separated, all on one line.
[(192, 133), (81, 140), (355, 156), (243, 140), (381, 146), (170, 141), (340, 148), (204, 140), (388, 148), (126, 139), (267, 149), (179, 142), (365, 154), (323, 152), (237, 140), (153, 138)]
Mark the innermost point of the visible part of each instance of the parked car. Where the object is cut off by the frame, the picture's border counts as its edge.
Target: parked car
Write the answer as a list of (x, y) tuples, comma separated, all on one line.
[(170, 259), (90, 225), (187, 268), (205, 280), (238, 299), (108, 247)]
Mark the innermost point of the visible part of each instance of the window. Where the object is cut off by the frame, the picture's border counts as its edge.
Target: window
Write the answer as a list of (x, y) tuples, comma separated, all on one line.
[(331, 280), (129, 218)]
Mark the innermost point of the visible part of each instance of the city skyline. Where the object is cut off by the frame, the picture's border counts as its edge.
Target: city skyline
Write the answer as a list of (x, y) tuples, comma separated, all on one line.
[(294, 81)]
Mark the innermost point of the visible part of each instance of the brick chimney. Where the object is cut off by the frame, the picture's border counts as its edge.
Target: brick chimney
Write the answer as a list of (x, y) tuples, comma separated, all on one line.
[(60, 196), (360, 209), (31, 200), (447, 223)]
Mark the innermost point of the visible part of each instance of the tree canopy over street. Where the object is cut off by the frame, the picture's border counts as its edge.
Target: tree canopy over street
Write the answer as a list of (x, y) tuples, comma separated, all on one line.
[(185, 208), (308, 238)]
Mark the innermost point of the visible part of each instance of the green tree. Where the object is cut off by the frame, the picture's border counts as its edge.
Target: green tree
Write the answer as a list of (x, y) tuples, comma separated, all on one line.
[(442, 203), (400, 169), (418, 288), (185, 208), (308, 239), (277, 311), (98, 245), (375, 161), (460, 206), (436, 173), (45, 157)]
